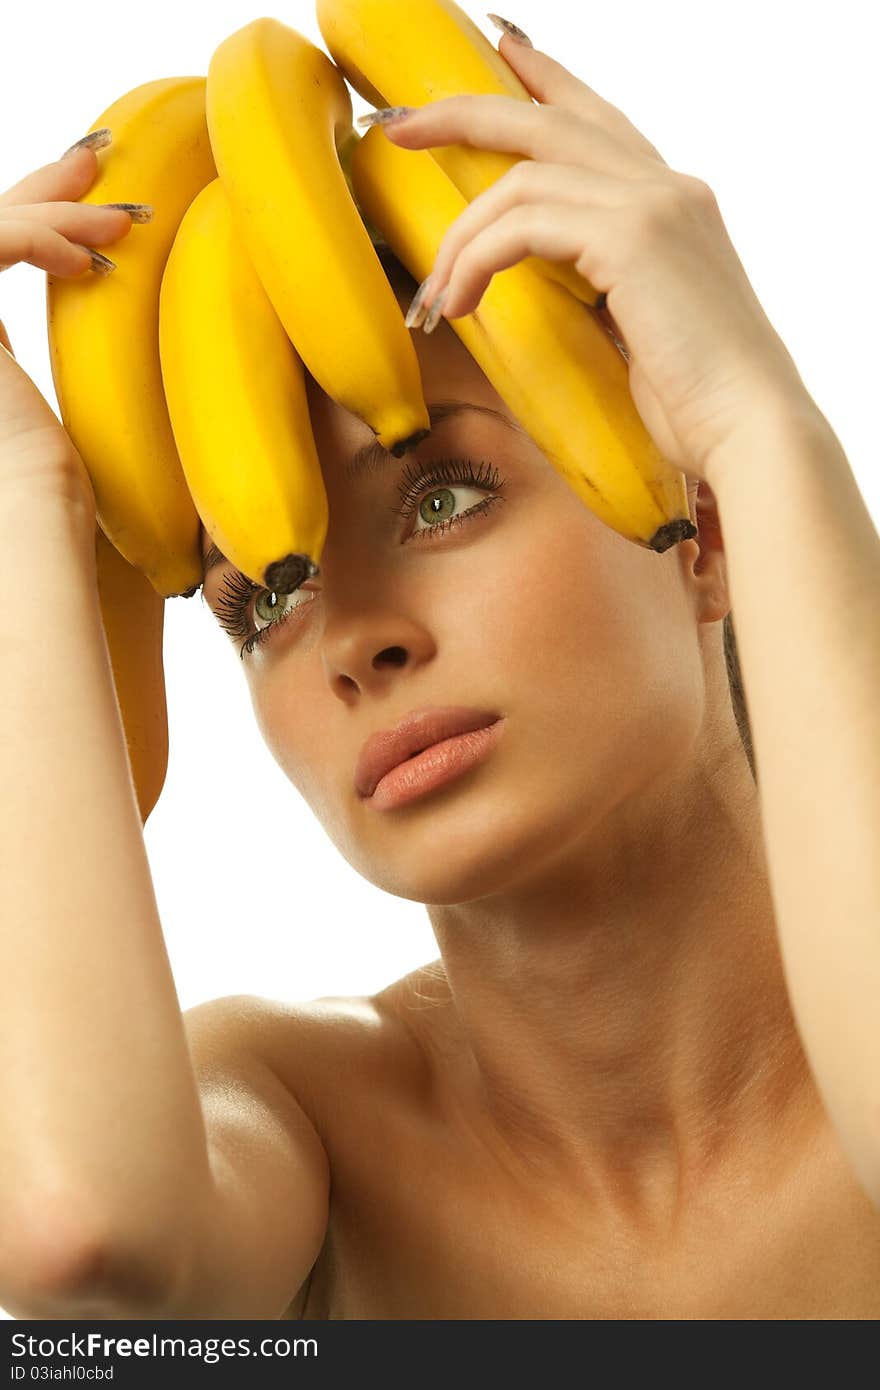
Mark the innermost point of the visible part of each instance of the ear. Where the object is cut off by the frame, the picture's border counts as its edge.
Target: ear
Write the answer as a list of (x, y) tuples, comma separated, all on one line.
[(705, 553)]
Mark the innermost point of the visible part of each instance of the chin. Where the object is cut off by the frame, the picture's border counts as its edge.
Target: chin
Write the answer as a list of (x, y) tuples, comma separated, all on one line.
[(455, 846)]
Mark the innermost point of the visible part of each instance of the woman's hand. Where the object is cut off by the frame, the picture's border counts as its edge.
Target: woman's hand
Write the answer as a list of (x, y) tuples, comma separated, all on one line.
[(40, 222), (703, 356)]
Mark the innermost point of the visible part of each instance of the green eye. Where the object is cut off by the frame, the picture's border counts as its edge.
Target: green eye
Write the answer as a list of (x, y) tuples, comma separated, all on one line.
[(429, 510)]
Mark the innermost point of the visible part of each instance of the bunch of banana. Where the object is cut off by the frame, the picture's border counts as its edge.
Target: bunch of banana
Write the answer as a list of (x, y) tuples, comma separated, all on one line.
[(235, 391), (280, 122), (133, 615), (180, 378), (431, 51), (544, 353), (103, 337), (104, 334)]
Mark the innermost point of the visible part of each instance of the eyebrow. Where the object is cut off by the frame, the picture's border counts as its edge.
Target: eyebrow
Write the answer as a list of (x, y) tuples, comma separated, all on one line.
[(372, 457)]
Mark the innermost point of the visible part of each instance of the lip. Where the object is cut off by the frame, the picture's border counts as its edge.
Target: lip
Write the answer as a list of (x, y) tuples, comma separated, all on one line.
[(419, 730)]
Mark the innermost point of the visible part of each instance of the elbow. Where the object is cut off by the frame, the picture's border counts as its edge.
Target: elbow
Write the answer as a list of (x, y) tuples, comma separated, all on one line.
[(59, 1262)]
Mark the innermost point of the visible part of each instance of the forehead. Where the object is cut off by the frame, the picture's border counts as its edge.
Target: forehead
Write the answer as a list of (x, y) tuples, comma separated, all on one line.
[(451, 380), (448, 375), (345, 462)]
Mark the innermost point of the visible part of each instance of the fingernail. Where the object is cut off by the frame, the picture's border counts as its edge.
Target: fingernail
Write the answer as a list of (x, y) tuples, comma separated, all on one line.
[(100, 264), (416, 312), (96, 141), (434, 313), (383, 114), (512, 29), (139, 212)]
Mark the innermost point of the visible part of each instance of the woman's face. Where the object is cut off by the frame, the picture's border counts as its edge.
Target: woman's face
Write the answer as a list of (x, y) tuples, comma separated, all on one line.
[(588, 645)]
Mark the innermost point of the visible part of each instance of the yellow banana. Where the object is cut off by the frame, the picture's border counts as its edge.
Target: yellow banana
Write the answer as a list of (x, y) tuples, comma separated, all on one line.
[(236, 395), (104, 334), (133, 614), (429, 51), (279, 113), (543, 351)]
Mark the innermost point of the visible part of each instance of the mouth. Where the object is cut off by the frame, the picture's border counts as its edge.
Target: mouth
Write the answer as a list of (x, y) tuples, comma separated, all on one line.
[(414, 739), (434, 767)]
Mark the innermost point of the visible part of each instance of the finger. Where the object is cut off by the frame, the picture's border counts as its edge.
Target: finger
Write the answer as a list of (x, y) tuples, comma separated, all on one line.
[(43, 247), (494, 122), (83, 222), (4, 339), (64, 178), (608, 322), (527, 182), (550, 83), (552, 230)]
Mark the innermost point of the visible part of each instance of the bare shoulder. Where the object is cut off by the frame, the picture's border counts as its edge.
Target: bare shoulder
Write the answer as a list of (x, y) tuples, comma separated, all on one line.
[(379, 1040)]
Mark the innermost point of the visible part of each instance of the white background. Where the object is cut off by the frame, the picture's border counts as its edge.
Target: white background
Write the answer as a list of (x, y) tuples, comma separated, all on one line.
[(774, 104)]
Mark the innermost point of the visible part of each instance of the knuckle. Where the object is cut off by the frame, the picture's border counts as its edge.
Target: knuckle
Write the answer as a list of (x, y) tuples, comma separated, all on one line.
[(661, 205), (470, 103), (535, 221), (566, 130), (521, 176), (452, 246), (28, 243), (698, 191)]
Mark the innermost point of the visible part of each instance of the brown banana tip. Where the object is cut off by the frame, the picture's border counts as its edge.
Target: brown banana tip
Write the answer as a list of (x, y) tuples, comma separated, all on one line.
[(283, 576), (670, 533), (401, 447)]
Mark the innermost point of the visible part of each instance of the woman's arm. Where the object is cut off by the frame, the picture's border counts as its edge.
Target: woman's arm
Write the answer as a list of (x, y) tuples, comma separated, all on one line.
[(150, 1165), (803, 559), (103, 1147), (722, 398)]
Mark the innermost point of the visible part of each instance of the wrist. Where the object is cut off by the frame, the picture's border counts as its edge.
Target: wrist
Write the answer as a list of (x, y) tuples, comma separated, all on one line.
[(775, 422)]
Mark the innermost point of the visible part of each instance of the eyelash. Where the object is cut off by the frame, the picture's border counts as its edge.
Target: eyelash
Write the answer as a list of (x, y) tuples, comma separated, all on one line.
[(235, 594)]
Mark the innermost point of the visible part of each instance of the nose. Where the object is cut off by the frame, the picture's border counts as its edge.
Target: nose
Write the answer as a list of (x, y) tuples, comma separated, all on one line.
[(365, 652)]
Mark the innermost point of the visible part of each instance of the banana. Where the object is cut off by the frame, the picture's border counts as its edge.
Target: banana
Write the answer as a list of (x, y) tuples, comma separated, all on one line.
[(279, 113), (543, 351), (432, 51), (133, 615), (235, 391), (104, 335)]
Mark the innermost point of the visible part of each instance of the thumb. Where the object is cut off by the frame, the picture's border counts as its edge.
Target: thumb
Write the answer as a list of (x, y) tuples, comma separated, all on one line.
[(4, 339)]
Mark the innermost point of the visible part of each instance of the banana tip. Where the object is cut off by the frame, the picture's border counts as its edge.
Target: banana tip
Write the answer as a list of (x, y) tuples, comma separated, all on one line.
[(283, 576), (402, 445), (670, 533)]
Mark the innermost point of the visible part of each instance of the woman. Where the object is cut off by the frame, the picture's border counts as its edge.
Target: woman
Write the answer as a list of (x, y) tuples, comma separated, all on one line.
[(624, 1090)]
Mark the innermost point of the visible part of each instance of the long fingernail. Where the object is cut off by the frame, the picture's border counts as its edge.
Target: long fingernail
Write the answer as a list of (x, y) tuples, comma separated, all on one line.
[(434, 313), (139, 212), (100, 264), (416, 312), (512, 29), (383, 114), (96, 141)]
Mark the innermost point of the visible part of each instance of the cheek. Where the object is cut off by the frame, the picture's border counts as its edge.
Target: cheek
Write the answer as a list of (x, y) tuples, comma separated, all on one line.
[(555, 590), (287, 720), (595, 649)]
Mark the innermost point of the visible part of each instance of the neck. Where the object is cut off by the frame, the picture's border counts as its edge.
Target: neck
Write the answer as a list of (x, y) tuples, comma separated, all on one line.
[(623, 1014)]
